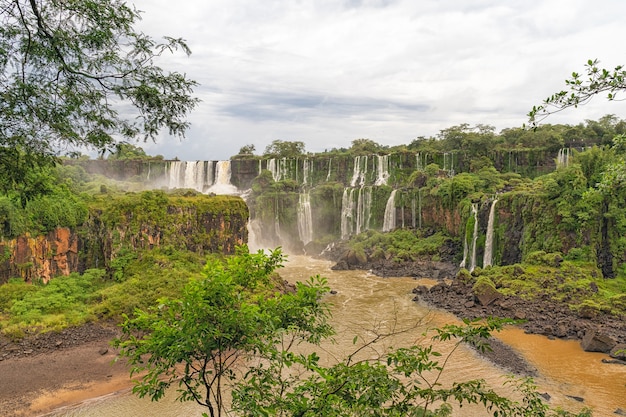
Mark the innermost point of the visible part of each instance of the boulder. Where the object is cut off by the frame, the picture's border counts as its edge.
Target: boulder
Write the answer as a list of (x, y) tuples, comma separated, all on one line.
[(618, 352), (485, 292), (595, 341)]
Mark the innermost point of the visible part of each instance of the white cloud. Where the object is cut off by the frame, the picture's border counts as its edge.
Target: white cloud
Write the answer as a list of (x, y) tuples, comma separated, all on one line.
[(327, 72)]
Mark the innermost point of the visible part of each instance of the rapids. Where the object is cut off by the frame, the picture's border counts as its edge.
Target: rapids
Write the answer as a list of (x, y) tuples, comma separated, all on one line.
[(364, 303)]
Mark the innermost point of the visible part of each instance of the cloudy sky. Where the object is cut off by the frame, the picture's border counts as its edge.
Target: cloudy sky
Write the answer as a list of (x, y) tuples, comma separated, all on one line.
[(327, 72)]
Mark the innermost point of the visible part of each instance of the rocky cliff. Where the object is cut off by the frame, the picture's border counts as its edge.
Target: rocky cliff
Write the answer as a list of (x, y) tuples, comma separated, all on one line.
[(133, 222)]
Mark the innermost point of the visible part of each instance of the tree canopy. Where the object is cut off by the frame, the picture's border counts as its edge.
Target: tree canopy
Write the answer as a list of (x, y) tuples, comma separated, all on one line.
[(79, 74), (284, 149)]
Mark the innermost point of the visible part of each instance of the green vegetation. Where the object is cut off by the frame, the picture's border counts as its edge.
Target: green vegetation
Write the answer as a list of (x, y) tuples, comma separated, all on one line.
[(234, 333), (70, 74), (27, 309), (400, 245), (577, 284)]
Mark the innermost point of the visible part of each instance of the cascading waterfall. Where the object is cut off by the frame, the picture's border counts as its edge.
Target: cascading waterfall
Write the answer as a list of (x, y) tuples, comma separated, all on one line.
[(474, 237), (330, 162), (562, 158), (347, 208), (274, 168), (389, 221), (363, 209), (382, 169), (359, 171), (174, 173), (305, 220), (470, 247), (307, 172), (420, 163), (197, 175), (488, 255), (280, 168), (222, 183), (448, 163)]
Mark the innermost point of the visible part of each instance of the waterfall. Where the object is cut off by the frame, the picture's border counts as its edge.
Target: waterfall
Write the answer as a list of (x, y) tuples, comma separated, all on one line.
[(448, 163), (420, 163), (280, 169), (562, 158), (307, 170), (330, 162), (174, 174), (273, 167), (383, 169), (474, 237), (363, 209), (488, 256), (389, 222), (347, 207), (305, 220), (358, 173), (190, 174), (222, 183), (471, 246)]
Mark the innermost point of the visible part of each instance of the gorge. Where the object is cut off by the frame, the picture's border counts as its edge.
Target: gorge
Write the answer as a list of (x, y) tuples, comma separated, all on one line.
[(487, 218)]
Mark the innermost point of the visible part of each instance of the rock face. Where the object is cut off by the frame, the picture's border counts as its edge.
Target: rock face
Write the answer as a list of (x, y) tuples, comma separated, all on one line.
[(202, 224), (40, 257)]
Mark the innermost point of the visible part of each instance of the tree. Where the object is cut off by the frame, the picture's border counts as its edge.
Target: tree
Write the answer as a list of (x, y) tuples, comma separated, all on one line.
[(78, 74), (247, 149), (220, 323), (581, 89), (365, 147), (127, 151), (233, 332), (284, 149), (394, 383)]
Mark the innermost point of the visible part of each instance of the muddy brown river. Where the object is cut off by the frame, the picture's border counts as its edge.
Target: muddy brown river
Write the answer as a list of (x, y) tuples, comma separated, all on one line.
[(364, 303)]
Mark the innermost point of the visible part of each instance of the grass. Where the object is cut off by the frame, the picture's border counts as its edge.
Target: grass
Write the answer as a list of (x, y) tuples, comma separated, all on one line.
[(80, 298), (578, 284)]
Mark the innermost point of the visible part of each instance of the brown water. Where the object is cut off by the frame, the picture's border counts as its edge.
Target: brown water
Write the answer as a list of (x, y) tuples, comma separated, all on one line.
[(366, 304)]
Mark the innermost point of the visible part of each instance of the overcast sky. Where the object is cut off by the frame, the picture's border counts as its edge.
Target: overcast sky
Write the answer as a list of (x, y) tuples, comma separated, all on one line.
[(327, 72)]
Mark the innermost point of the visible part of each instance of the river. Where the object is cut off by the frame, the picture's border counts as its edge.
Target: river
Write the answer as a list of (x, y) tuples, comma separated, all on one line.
[(364, 303)]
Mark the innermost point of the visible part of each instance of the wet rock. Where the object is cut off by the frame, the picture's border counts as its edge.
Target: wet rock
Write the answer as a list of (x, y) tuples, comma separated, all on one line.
[(576, 398), (595, 341), (614, 361), (618, 352), (421, 289), (440, 287)]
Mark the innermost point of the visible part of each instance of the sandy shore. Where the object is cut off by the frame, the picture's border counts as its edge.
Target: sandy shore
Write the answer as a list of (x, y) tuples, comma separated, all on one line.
[(34, 382)]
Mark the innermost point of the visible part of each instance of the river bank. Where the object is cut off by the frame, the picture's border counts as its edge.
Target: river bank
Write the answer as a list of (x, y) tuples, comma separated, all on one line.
[(42, 373)]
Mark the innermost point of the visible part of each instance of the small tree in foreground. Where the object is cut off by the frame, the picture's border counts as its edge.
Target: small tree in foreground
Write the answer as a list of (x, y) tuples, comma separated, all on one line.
[(233, 333), (234, 313)]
